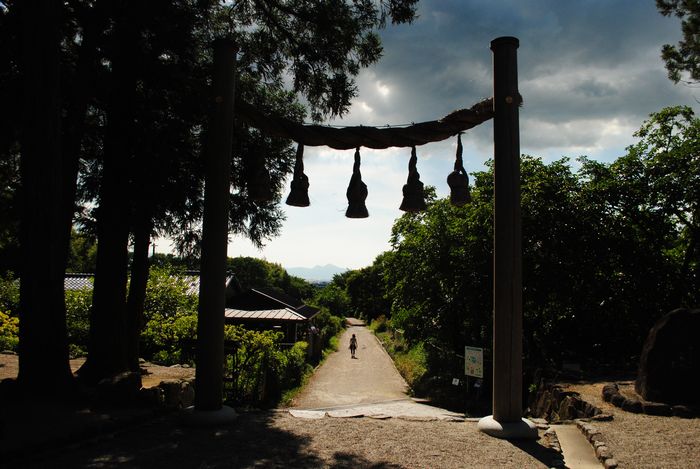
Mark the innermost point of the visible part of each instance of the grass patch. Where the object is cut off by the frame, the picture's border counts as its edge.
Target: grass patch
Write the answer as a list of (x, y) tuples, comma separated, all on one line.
[(410, 361)]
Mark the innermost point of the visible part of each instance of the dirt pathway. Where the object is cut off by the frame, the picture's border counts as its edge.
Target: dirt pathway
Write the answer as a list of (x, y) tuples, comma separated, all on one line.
[(369, 378)]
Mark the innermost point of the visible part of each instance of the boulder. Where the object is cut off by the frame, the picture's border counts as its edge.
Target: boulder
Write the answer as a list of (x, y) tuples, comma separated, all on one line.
[(120, 389), (609, 390), (669, 367), (657, 408), (177, 394), (683, 411), (632, 405)]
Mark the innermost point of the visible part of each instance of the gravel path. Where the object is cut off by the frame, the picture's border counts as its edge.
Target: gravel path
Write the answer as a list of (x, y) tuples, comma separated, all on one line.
[(645, 441), (369, 378), (278, 440)]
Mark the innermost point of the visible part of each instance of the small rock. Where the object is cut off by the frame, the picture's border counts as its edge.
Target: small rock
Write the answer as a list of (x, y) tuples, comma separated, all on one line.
[(603, 452), (610, 463)]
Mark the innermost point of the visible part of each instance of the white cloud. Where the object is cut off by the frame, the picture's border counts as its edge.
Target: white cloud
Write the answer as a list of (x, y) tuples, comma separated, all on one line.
[(590, 73)]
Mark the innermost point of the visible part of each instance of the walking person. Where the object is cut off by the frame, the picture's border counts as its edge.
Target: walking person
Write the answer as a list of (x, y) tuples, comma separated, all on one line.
[(353, 346)]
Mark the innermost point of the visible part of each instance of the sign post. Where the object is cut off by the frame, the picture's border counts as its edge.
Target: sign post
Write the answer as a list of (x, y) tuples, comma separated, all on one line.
[(474, 362)]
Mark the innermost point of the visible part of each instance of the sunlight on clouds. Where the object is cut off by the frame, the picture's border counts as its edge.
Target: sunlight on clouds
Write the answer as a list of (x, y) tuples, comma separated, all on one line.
[(595, 138), (383, 89)]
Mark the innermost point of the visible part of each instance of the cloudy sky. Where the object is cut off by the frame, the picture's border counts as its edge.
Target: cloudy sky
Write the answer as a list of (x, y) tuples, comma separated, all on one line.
[(589, 73)]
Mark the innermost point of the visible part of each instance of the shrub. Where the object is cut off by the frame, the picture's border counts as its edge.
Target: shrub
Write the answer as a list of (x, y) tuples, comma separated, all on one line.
[(78, 304), (162, 338), (380, 324), (328, 325), (9, 294), (9, 332), (170, 315)]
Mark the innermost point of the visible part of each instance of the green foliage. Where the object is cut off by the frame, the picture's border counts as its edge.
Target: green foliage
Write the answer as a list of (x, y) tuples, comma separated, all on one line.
[(685, 57), (9, 294), (380, 324), (262, 369), (258, 273), (411, 361), (333, 298), (78, 304), (83, 253), (9, 332), (607, 250), (170, 316), (163, 335), (166, 295), (328, 325), (367, 291)]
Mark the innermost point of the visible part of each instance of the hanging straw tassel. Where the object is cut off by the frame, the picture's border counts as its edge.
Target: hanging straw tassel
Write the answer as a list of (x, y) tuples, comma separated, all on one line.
[(413, 196), (458, 180), (299, 194), (357, 192)]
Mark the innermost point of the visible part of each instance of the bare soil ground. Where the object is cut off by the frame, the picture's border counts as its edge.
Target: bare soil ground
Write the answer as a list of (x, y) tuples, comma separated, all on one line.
[(278, 440), (275, 439), (644, 441), (154, 374)]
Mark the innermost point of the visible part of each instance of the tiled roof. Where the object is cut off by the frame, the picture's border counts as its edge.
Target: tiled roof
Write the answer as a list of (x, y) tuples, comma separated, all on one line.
[(192, 281), (77, 281), (285, 314), (73, 281)]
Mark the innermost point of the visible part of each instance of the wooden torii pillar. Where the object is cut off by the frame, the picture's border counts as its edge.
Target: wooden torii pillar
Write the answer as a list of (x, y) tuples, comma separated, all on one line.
[(507, 421), (208, 404)]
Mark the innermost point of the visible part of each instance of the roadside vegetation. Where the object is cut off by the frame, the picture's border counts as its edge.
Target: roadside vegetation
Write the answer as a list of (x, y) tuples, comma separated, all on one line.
[(265, 370), (410, 360)]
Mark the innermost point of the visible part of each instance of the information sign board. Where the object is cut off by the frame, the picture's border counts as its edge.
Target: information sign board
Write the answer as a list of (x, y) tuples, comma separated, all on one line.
[(474, 361)]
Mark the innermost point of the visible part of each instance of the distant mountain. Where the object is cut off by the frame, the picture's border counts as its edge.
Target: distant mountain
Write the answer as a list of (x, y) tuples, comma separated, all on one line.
[(317, 273)]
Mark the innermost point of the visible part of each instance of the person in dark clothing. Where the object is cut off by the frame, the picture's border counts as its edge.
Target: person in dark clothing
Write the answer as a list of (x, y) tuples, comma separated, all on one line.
[(353, 346)]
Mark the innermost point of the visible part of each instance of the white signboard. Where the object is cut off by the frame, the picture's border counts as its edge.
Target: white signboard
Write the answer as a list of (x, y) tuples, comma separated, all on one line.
[(474, 362)]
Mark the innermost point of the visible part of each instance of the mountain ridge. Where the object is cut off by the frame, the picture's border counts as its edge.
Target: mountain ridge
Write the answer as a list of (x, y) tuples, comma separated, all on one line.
[(319, 273)]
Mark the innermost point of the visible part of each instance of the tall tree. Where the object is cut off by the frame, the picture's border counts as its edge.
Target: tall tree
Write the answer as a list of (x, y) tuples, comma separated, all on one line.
[(684, 57), (43, 342), (323, 61), (107, 350)]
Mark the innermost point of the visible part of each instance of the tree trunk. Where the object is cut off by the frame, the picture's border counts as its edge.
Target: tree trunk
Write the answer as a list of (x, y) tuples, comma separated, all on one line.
[(137, 288), (80, 92), (43, 348), (107, 352)]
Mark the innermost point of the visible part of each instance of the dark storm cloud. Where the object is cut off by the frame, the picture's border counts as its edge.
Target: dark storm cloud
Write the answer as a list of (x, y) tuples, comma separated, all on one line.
[(579, 62)]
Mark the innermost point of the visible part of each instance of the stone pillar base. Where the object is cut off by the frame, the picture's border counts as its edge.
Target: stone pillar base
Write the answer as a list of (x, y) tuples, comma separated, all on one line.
[(522, 429), (208, 418)]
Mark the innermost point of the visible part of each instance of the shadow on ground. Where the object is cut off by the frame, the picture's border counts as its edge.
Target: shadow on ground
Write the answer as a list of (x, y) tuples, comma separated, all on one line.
[(250, 441), (543, 454)]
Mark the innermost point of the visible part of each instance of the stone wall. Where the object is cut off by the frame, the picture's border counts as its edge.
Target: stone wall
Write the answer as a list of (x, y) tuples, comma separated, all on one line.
[(554, 403)]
